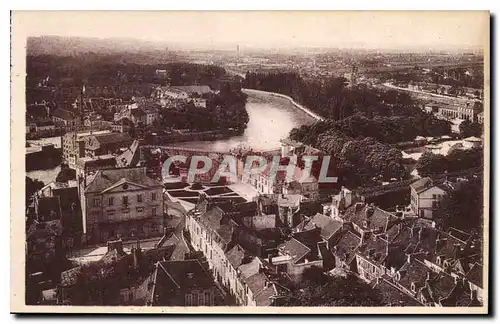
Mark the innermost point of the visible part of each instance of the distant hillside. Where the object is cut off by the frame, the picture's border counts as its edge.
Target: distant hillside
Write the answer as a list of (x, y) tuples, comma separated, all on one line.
[(67, 46), (129, 50)]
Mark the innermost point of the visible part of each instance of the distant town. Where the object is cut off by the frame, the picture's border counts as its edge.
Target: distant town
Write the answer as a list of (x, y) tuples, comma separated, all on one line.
[(106, 224)]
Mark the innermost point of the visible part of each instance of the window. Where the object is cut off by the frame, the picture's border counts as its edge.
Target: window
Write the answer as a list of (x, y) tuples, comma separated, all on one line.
[(153, 196), (207, 299), (434, 196), (189, 300), (111, 201), (96, 202), (200, 299), (139, 198), (153, 211), (140, 209), (434, 204), (195, 300), (125, 200)]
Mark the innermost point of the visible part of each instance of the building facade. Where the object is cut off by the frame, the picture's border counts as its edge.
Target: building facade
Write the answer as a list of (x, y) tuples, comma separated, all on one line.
[(122, 203)]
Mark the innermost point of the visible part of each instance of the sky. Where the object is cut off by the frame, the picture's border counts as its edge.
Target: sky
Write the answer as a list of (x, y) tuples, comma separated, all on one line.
[(269, 29)]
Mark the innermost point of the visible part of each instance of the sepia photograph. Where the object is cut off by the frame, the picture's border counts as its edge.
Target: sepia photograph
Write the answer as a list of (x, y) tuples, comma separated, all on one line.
[(250, 162)]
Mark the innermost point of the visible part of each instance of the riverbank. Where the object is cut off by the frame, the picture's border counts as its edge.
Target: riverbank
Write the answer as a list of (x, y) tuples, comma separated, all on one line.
[(293, 102)]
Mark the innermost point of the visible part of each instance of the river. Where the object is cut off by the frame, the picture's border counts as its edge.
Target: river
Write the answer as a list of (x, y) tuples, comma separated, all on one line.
[(270, 119)]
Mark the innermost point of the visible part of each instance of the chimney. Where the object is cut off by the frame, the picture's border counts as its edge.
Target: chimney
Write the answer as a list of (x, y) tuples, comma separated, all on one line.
[(408, 258)]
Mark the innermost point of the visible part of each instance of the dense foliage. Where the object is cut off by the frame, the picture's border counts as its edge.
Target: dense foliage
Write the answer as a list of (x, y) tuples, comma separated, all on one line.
[(107, 76), (360, 161), (463, 207), (322, 290), (431, 164), (32, 186), (224, 110), (468, 128), (388, 116)]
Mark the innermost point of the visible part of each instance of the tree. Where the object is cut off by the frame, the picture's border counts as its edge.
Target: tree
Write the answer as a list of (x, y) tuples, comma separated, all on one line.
[(431, 164), (32, 186), (468, 128), (462, 208), (349, 291)]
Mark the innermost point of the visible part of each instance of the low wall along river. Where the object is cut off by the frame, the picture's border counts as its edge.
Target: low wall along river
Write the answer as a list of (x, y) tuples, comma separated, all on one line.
[(272, 116)]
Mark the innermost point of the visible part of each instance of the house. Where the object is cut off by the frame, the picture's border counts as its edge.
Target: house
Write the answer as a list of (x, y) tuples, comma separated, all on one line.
[(475, 281), (391, 295), (121, 203), (60, 201), (152, 112), (193, 89), (71, 147), (185, 283), (116, 278), (88, 165), (341, 202), (344, 251), (107, 143), (371, 258), (425, 197), (368, 218), (295, 256), (213, 233), (130, 157), (43, 245), (328, 227), (63, 117)]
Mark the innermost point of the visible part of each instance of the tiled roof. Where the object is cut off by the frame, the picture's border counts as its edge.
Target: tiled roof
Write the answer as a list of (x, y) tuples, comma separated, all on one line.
[(328, 225), (185, 274), (475, 275), (375, 250), (374, 218), (257, 284), (235, 256), (347, 245), (294, 248), (112, 138), (104, 179), (201, 89), (289, 200), (442, 286), (459, 297), (64, 114), (290, 142), (130, 157), (415, 272), (391, 296), (138, 113), (250, 268), (422, 184), (264, 298)]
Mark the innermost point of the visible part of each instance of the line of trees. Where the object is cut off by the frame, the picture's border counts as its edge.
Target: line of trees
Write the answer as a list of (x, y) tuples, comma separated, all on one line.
[(430, 164)]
